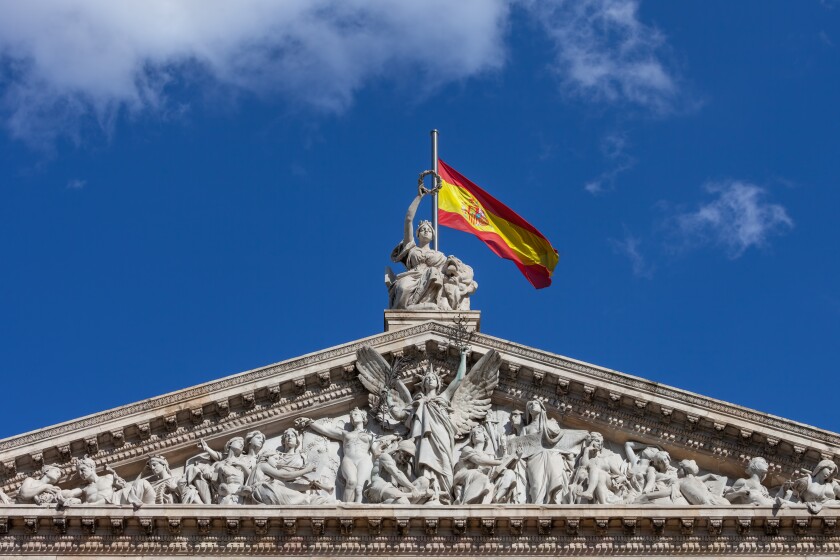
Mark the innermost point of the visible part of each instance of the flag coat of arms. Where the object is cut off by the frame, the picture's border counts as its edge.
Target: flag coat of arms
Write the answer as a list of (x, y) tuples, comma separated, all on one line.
[(464, 206)]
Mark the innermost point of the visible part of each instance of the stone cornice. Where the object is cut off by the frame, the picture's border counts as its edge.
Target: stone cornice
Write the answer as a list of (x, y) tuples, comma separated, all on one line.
[(408, 531)]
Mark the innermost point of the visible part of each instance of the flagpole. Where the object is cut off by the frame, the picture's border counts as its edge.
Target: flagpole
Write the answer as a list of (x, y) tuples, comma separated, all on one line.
[(434, 134)]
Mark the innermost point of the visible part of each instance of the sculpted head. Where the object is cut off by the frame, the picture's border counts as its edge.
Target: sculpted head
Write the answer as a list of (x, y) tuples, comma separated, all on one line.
[(52, 473), (689, 467), (758, 466), (661, 461), (159, 465), (358, 415), (596, 440), (405, 452), (533, 409), (478, 436), (824, 471), (425, 232), (86, 467), (291, 440), (431, 381), (235, 445), (254, 440)]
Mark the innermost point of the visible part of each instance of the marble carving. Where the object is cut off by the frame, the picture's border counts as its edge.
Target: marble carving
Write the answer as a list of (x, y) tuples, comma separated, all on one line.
[(431, 281), (435, 443)]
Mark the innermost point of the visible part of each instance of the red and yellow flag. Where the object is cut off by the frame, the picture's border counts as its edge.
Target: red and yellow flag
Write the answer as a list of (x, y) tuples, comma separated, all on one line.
[(463, 205)]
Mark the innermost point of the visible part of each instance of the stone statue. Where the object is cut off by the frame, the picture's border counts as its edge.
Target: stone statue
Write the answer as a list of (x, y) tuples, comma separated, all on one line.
[(694, 489), (166, 486), (819, 488), (107, 489), (434, 417), (601, 476), (661, 481), (229, 472), (391, 478), (751, 490), (268, 482), (481, 478), (41, 491), (431, 281), (357, 463), (254, 442), (550, 453)]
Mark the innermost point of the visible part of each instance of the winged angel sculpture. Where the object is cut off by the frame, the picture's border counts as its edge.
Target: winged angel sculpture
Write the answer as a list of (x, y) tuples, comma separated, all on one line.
[(435, 417)]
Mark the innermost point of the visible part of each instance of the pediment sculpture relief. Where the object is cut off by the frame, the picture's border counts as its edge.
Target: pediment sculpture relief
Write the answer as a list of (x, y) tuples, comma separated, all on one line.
[(429, 441)]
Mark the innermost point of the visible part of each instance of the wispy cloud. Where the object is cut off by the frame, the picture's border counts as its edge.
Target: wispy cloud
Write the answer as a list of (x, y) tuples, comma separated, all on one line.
[(67, 65), (630, 247), (613, 147), (76, 184), (604, 52), (737, 218)]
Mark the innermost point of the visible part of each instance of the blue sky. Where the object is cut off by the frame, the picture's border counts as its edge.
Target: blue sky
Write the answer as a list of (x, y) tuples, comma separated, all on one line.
[(187, 191)]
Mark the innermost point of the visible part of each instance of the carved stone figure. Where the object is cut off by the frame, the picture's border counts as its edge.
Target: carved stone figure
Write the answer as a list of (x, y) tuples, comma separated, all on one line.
[(435, 417), (601, 476), (267, 483), (819, 489), (107, 489), (391, 478), (166, 486), (431, 280), (694, 489), (751, 490), (254, 442), (41, 491), (230, 472), (357, 463), (481, 478), (550, 453), (661, 482)]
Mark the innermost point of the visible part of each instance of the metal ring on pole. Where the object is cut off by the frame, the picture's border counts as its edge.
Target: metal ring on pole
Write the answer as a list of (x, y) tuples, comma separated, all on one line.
[(421, 188)]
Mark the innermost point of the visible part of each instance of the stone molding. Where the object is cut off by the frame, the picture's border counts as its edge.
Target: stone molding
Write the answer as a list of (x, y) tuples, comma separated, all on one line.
[(406, 531)]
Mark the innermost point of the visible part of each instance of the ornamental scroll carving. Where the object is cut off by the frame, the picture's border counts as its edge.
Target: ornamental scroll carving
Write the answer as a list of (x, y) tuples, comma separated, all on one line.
[(429, 438)]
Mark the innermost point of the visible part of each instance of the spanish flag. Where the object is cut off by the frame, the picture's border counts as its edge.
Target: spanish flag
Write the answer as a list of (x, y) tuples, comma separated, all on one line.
[(463, 205)]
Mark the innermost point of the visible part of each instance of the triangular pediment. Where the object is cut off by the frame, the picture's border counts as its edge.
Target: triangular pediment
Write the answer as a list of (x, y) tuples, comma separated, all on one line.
[(721, 437)]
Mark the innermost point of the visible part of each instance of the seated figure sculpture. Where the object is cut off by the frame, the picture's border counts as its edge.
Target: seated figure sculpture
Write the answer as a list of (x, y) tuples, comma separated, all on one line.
[(41, 491), (819, 488), (603, 472), (431, 280), (481, 478), (267, 483), (751, 490), (107, 489), (392, 480)]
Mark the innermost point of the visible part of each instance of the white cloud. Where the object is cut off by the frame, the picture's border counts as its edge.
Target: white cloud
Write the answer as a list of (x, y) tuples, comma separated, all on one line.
[(630, 248), (605, 53), (739, 217), (613, 147), (64, 64), (76, 184)]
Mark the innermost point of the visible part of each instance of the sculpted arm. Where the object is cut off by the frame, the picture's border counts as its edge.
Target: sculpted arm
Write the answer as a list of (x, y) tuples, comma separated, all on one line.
[(459, 376), (408, 228), (214, 455), (286, 474), (328, 431), (387, 463)]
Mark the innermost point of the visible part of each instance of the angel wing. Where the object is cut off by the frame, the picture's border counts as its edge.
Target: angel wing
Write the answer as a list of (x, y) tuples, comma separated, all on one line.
[(377, 376), (471, 399)]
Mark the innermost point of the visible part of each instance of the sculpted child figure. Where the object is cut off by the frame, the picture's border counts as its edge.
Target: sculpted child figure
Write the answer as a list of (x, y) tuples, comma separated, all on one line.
[(357, 463), (603, 471)]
